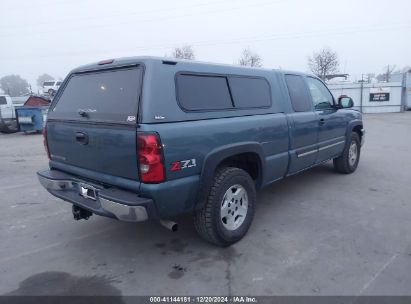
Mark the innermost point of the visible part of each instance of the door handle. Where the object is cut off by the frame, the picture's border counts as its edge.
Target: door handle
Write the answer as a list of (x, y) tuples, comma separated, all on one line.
[(322, 121), (82, 138)]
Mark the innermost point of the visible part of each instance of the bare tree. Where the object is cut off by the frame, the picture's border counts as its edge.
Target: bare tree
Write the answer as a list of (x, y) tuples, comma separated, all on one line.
[(42, 78), (14, 85), (323, 63), (184, 52), (250, 58)]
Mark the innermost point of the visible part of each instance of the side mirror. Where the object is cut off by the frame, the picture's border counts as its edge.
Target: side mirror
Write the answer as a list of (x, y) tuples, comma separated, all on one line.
[(345, 102)]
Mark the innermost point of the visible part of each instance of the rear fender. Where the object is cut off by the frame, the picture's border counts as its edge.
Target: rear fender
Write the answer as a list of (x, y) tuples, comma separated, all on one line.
[(214, 159)]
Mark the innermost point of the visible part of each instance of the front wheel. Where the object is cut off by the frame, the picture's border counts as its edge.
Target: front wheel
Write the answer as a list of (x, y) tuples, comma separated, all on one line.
[(348, 161), (229, 208)]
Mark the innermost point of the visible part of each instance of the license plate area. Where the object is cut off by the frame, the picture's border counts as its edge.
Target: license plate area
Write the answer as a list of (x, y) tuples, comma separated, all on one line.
[(87, 191)]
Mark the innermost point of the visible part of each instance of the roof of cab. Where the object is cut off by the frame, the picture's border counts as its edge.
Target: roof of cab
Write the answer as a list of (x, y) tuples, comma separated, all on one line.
[(116, 62), (125, 61)]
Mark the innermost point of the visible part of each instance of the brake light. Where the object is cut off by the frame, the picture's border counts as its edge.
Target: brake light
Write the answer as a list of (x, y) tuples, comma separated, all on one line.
[(107, 61), (150, 160), (45, 141)]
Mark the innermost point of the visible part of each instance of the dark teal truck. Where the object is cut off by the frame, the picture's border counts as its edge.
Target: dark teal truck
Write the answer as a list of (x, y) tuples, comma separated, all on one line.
[(152, 138)]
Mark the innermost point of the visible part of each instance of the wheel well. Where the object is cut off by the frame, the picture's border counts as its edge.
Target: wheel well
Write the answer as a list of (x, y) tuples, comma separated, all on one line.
[(358, 130), (249, 162)]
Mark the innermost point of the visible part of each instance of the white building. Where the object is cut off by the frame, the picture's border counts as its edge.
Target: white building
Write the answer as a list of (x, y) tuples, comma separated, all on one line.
[(382, 97)]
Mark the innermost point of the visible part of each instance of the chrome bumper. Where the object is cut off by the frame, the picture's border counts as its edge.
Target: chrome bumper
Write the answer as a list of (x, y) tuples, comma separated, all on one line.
[(124, 212), (102, 202)]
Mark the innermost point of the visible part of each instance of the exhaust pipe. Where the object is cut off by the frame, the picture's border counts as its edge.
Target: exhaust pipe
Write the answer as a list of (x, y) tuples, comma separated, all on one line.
[(170, 225)]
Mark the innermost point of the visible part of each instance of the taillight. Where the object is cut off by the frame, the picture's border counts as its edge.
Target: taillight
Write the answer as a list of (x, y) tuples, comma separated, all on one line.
[(45, 141), (150, 158)]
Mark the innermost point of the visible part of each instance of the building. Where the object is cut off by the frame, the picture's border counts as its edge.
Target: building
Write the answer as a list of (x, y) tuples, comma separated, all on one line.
[(381, 97)]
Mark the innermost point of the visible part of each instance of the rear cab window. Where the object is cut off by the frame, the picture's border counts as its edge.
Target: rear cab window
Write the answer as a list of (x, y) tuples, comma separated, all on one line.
[(106, 95), (3, 100), (299, 96), (198, 92), (250, 92), (201, 92)]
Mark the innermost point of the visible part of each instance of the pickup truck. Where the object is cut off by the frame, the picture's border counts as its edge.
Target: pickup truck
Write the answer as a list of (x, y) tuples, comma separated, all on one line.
[(8, 120), (152, 138)]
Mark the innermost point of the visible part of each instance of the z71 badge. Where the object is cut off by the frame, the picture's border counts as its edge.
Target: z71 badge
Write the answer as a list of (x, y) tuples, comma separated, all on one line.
[(183, 164)]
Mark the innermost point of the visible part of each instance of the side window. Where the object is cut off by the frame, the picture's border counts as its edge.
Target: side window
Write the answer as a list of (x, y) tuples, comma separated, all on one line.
[(3, 100), (203, 92), (300, 99), (250, 92), (322, 98)]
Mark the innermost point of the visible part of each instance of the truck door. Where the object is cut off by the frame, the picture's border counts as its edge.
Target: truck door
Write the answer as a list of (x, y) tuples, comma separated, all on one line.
[(303, 125), (331, 121)]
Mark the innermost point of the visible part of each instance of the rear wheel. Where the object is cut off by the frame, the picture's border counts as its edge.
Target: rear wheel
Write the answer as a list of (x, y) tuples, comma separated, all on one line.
[(348, 161), (229, 208)]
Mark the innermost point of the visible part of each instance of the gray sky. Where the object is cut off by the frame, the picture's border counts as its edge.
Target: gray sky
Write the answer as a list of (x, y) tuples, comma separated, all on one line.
[(54, 36)]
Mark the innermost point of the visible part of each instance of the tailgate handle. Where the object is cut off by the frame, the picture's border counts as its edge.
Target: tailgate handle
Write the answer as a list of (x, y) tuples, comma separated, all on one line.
[(82, 138)]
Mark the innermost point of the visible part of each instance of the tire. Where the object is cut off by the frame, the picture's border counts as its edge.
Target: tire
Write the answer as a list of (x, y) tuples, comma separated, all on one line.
[(8, 129), (348, 161), (229, 207)]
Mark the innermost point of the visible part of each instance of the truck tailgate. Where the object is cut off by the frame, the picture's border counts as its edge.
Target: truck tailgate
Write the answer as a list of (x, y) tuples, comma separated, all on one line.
[(102, 148), (92, 123)]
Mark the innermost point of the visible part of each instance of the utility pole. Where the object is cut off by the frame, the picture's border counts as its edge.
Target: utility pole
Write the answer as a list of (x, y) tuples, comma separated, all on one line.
[(362, 89), (389, 72)]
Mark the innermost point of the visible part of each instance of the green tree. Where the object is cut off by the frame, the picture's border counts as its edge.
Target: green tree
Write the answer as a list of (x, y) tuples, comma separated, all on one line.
[(42, 78), (14, 85)]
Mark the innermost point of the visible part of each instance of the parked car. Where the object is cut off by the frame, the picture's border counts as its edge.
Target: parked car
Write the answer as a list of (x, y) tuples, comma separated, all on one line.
[(151, 138), (8, 122), (50, 87)]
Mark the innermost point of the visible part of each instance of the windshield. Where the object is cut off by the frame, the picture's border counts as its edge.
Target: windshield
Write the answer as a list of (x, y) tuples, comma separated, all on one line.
[(104, 95)]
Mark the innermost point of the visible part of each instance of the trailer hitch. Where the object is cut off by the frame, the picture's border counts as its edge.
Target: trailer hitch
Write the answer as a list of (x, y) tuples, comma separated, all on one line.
[(80, 213)]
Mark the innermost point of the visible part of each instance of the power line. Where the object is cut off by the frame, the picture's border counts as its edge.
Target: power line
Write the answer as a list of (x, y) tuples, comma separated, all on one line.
[(70, 20), (20, 7), (99, 26), (297, 35), (336, 31)]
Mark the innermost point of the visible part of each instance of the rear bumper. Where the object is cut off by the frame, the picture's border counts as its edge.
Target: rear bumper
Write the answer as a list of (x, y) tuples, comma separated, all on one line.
[(106, 201)]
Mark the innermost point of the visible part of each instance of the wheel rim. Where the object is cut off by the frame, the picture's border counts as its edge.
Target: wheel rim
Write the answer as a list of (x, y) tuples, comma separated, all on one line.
[(234, 207), (352, 153)]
